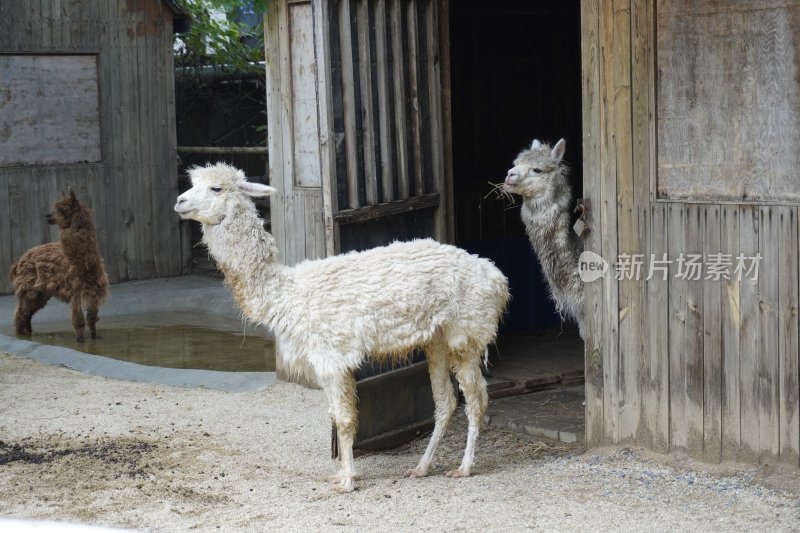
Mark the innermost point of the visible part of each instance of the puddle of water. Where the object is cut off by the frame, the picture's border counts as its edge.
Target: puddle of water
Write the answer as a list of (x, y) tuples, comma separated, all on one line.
[(173, 340)]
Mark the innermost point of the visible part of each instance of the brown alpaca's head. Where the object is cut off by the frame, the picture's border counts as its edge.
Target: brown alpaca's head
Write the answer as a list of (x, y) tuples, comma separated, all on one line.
[(67, 211)]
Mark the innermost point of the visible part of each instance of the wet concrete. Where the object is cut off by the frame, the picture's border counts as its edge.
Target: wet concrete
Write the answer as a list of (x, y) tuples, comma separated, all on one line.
[(169, 316), (171, 340)]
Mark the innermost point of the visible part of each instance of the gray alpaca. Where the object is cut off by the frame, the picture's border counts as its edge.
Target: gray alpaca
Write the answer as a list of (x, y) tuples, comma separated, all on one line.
[(540, 178)]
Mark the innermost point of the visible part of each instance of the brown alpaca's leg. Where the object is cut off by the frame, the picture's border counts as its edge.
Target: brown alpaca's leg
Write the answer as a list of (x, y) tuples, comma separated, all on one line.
[(27, 305), (78, 323), (91, 318)]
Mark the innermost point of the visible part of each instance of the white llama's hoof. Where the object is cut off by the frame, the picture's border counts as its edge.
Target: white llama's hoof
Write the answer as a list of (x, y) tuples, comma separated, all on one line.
[(417, 472), (460, 472), (344, 486)]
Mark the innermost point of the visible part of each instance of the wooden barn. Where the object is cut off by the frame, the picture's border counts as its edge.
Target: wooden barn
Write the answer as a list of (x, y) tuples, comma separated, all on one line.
[(87, 102), (389, 117)]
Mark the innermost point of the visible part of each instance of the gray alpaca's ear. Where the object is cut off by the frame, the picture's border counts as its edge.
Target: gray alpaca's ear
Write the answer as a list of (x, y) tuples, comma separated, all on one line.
[(535, 144), (558, 151), (256, 190)]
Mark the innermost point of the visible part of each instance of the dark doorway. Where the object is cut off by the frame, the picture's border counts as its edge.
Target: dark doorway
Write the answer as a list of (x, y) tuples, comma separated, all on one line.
[(515, 76)]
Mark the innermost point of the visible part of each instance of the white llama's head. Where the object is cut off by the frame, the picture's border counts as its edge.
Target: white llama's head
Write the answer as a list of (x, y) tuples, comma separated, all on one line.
[(537, 171), (215, 189)]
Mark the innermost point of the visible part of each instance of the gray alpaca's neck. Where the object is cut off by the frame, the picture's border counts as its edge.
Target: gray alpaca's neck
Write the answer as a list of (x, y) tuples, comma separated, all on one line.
[(246, 254), (547, 224)]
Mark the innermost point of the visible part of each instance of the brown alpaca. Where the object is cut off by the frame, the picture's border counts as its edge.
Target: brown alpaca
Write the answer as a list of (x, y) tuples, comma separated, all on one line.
[(71, 270)]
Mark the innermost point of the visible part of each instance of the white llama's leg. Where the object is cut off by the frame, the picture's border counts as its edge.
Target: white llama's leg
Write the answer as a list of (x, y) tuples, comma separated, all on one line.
[(472, 384), (445, 400), (341, 393)]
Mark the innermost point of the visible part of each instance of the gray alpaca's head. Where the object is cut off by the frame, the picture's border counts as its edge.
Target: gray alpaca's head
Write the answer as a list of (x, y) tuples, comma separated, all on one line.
[(215, 190), (538, 172)]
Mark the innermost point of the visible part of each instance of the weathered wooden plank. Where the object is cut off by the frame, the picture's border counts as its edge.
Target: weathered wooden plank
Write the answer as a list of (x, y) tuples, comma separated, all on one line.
[(729, 341), (131, 143), (166, 256), (275, 134), (788, 349), (61, 30), (439, 183), (423, 84), (414, 96), (369, 124), (310, 235), (46, 22), (591, 91), (7, 17), (304, 113), (656, 382), (630, 225), (749, 312), (677, 231), (327, 139), (34, 34), (614, 112), (340, 188), (349, 98), (396, 207), (111, 88), (653, 426), (399, 76), (147, 204), (385, 134), (447, 119), (768, 332), (712, 343), (693, 333), (6, 255)]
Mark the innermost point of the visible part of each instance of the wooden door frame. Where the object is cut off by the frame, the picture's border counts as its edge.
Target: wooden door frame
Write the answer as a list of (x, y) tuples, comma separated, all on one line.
[(626, 379)]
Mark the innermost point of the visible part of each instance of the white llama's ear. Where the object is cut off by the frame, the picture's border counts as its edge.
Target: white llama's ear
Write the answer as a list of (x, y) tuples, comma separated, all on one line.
[(558, 151), (535, 144), (256, 190)]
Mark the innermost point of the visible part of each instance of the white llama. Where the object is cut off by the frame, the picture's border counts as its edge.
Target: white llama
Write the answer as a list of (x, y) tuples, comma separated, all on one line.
[(335, 312), (540, 177)]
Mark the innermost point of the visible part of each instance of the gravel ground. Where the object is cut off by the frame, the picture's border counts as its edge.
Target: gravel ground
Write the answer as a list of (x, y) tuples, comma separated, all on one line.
[(93, 450)]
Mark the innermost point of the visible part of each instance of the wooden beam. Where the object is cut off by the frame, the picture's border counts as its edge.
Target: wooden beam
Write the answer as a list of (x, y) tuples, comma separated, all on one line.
[(257, 150), (397, 207)]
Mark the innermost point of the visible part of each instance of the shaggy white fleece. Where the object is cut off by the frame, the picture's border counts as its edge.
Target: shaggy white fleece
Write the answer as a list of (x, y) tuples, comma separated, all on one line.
[(334, 313)]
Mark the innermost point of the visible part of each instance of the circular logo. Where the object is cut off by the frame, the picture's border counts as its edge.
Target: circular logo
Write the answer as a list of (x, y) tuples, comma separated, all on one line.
[(591, 267)]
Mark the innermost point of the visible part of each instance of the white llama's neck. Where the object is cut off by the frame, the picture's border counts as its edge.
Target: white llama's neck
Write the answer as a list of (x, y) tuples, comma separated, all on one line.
[(248, 257)]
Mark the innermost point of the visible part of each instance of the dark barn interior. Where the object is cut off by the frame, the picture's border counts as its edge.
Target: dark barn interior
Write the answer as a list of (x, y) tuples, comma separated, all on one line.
[(515, 76)]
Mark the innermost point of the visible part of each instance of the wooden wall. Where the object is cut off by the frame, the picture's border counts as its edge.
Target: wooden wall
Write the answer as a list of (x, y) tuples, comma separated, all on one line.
[(133, 187), (729, 102), (356, 140), (706, 366), (300, 210)]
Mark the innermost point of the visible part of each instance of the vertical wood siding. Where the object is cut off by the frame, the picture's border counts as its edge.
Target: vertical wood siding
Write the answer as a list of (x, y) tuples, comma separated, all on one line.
[(298, 122), (133, 188), (386, 100), (377, 119), (705, 366)]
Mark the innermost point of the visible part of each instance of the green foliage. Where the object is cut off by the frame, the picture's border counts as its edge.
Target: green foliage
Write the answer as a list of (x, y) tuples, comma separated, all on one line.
[(224, 44)]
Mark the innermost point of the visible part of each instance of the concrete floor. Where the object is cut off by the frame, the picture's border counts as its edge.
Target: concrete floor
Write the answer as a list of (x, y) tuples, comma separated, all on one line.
[(535, 380)]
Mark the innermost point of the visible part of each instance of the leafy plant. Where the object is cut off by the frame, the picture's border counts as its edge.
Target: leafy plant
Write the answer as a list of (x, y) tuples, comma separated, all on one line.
[(224, 42)]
